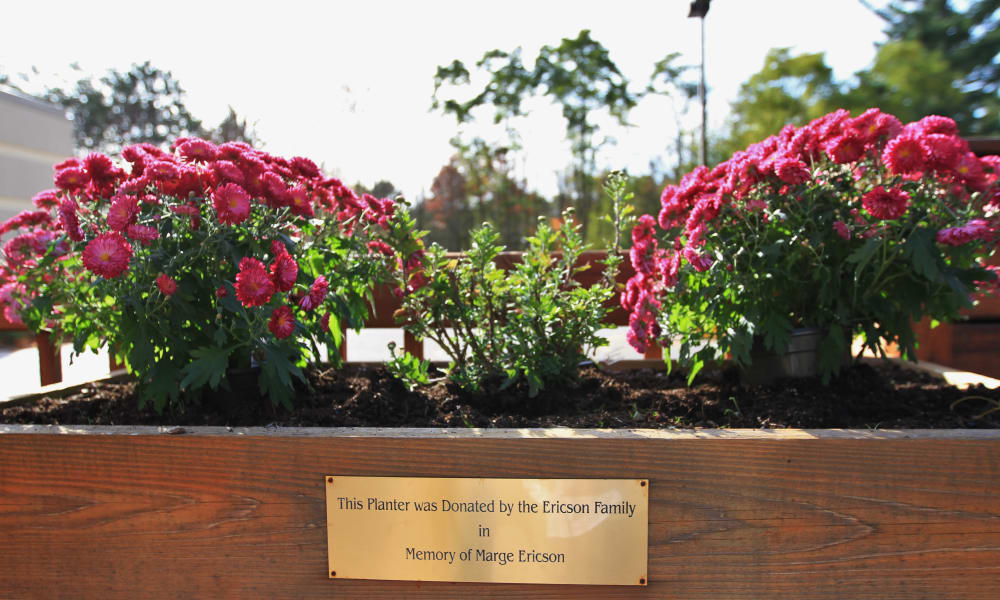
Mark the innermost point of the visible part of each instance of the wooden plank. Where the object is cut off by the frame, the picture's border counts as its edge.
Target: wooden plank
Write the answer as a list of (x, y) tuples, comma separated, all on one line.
[(49, 359), (799, 515)]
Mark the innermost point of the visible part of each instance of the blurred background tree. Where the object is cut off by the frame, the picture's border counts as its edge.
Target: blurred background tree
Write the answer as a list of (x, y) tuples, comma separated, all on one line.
[(578, 75), (143, 104), (478, 185)]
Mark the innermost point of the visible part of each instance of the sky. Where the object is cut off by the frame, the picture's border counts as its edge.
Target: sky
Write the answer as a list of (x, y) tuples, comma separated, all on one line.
[(350, 84)]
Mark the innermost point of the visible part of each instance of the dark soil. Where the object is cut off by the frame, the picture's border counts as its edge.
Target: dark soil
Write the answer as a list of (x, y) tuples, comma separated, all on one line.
[(863, 396)]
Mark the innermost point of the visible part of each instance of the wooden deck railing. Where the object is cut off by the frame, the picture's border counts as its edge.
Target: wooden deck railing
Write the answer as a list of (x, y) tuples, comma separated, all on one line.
[(385, 304)]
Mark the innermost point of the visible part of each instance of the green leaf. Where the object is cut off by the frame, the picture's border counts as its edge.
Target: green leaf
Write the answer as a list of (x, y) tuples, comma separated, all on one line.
[(160, 386), (208, 367), (863, 255), (832, 351), (922, 251)]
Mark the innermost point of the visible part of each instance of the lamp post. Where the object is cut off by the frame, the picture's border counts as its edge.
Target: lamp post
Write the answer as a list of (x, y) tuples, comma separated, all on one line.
[(699, 8)]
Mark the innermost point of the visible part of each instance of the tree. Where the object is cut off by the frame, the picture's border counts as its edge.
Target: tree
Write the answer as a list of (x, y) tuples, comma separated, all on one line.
[(667, 80), (910, 81), (144, 104), (788, 89), (234, 129), (966, 39), (578, 75), (477, 186)]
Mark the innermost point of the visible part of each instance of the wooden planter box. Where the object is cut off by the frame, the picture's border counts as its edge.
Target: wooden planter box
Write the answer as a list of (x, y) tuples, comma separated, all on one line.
[(140, 512)]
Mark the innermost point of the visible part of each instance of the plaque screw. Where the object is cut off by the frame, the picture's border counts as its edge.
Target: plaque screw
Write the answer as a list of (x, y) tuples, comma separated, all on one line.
[(333, 573), (641, 483), (642, 581), (329, 479)]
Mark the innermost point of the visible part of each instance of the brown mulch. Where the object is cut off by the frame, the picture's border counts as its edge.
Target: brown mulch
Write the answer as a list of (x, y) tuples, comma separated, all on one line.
[(863, 396)]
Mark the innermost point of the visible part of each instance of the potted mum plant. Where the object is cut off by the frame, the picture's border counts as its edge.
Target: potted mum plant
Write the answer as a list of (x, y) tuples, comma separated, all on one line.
[(193, 263), (844, 227)]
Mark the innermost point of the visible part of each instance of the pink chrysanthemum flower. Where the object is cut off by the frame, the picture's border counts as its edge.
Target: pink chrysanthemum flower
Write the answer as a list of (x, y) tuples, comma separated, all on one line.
[(142, 233), (27, 218), (221, 292), (231, 203), (976, 229), (842, 230), (970, 169), (317, 293), (886, 204), (380, 247), (937, 124), (123, 212), (71, 179), (282, 323), (903, 155), (791, 171), (161, 170), (107, 255), (185, 209), (227, 171), (46, 199), (324, 323), (305, 167), (100, 168), (166, 283), (284, 270), (68, 164), (942, 151), (69, 221), (198, 150), (845, 148), (275, 190), (298, 198), (254, 286)]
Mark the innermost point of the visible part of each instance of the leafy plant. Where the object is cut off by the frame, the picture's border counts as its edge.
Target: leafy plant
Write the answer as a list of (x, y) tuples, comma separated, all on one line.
[(854, 226), (193, 263), (535, 323)]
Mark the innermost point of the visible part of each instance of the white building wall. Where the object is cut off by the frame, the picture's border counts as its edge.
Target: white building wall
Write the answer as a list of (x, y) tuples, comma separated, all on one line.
[(33, 137)]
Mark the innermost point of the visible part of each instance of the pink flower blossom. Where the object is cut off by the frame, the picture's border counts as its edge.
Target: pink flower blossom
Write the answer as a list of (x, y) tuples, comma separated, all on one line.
[(46, 199), (284, 270), (198, 150), (903, 155), (254, 286), (282, 323), (71, 179), (232, 204), (167, 285), (69, 220), (791, 171), (976, 229), (142, 233), (886, 204), (317, 293), (842, 230), (123, 212), (107, 255)]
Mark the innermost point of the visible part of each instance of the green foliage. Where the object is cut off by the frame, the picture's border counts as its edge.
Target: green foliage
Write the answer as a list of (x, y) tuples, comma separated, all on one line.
[(478, 185), (144, 104), (532, 324), (963, 41), (409, 369), (578, 75), (788, 89)]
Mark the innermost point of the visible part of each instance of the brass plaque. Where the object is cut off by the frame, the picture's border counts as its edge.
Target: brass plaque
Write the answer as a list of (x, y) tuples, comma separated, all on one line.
[(568, 531)]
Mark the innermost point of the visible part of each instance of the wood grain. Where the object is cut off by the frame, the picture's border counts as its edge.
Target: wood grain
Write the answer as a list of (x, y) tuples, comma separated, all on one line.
[(219, 514)]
